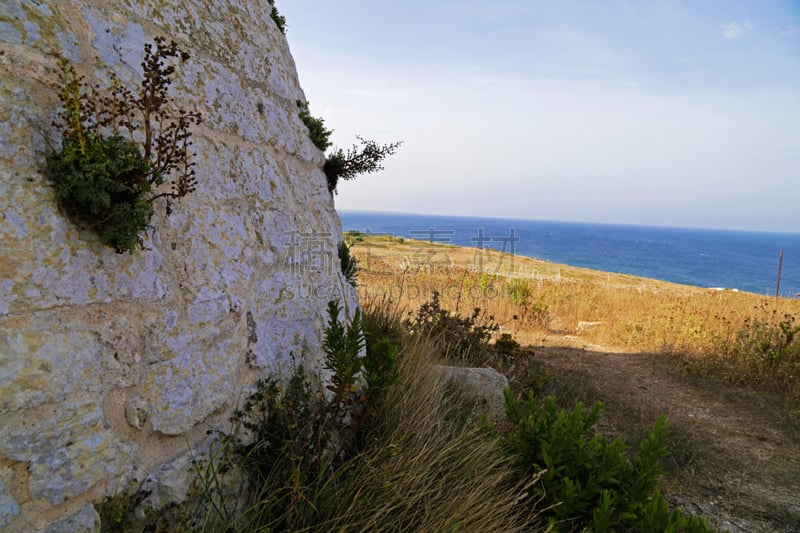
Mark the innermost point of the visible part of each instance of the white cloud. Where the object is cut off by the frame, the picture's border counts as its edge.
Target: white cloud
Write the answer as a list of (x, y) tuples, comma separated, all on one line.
[(734, 30)]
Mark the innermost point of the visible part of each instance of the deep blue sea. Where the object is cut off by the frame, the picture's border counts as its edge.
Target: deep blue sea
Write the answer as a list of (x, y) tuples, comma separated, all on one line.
[(742, 260)]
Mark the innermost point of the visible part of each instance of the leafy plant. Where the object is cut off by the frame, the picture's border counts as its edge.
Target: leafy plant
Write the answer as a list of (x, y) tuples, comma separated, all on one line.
[(290, 450), (587, 481), (320, 137), (279, 19), (301, 443), (340, 164), (355, 161), (506, 345), (380, 372), (353, 236), (535, 313), (342, 346), (461, 337), (348, 263), (107, 181)]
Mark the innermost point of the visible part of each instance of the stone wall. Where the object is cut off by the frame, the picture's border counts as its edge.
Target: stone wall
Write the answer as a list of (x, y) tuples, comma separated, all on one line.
[(114, 366)]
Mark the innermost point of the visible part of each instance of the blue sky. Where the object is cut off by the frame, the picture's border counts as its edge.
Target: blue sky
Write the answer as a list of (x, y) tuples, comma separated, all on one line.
[(677, 113)]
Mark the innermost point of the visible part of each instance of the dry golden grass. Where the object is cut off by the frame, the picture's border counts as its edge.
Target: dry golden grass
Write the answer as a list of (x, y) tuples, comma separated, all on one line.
[(541, 302), (433, 468)]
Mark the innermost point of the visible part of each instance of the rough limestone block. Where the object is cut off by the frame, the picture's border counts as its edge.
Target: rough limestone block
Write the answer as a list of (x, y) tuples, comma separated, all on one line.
[(484, 385), (172, 481), (9, 508), (185, 390), (84, 521)]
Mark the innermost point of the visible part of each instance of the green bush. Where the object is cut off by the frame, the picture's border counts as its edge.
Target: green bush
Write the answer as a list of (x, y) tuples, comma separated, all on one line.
[(301, 444), (108, 182), (343, 346), (320, 137), (771, 352), (356, 161), (521, 292), (506, 345), (100, 186), (461, 338), (279, 19), (289, 451), (380, 372), (587, 481), (348, 263), (353, 236)]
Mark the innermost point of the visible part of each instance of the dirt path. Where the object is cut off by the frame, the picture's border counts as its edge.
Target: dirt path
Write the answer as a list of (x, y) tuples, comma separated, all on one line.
[(735, 458)]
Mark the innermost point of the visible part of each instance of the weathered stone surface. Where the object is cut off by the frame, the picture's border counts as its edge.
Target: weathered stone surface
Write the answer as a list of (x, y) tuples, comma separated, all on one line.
[(9, 508), (484, 385), (232, 284), (67, 445), (84, 521)]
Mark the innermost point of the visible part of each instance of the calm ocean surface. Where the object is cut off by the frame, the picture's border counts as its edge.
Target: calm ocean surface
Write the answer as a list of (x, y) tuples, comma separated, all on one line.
[(746, 261)]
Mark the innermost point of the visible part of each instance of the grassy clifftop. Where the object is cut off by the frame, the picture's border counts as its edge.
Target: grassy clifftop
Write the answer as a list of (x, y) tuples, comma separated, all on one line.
[(548, 299), (723, 365)]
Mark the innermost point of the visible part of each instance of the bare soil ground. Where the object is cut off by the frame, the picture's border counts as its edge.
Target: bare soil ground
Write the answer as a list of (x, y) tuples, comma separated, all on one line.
[(736, 457)]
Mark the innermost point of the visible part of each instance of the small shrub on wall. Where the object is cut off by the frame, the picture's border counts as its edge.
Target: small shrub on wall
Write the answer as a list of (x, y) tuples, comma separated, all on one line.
[(365, 159), (340, 164), (121, 150), (280, 20)]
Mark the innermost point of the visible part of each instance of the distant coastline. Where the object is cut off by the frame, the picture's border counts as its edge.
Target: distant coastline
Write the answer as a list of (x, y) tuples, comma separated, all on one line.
[(719, 259)]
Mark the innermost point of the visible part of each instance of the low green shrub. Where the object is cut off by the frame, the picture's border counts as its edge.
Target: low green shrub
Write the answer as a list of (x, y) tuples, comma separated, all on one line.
[(293, 442), (769, 353), (413, 468), (461, 338), (586, 481), (380, 373), (506, 345), (100, 185), (108, 182), (533, 312), (348, 262), (288, 456), (353, 236)]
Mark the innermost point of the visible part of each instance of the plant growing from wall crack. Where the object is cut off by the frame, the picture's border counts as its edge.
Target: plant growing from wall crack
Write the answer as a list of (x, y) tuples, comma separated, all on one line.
[(108, 181), (279, 19), (362, 158)]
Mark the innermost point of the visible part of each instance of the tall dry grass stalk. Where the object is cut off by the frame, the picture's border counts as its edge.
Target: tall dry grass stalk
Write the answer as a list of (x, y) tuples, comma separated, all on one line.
[(430, 466)]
